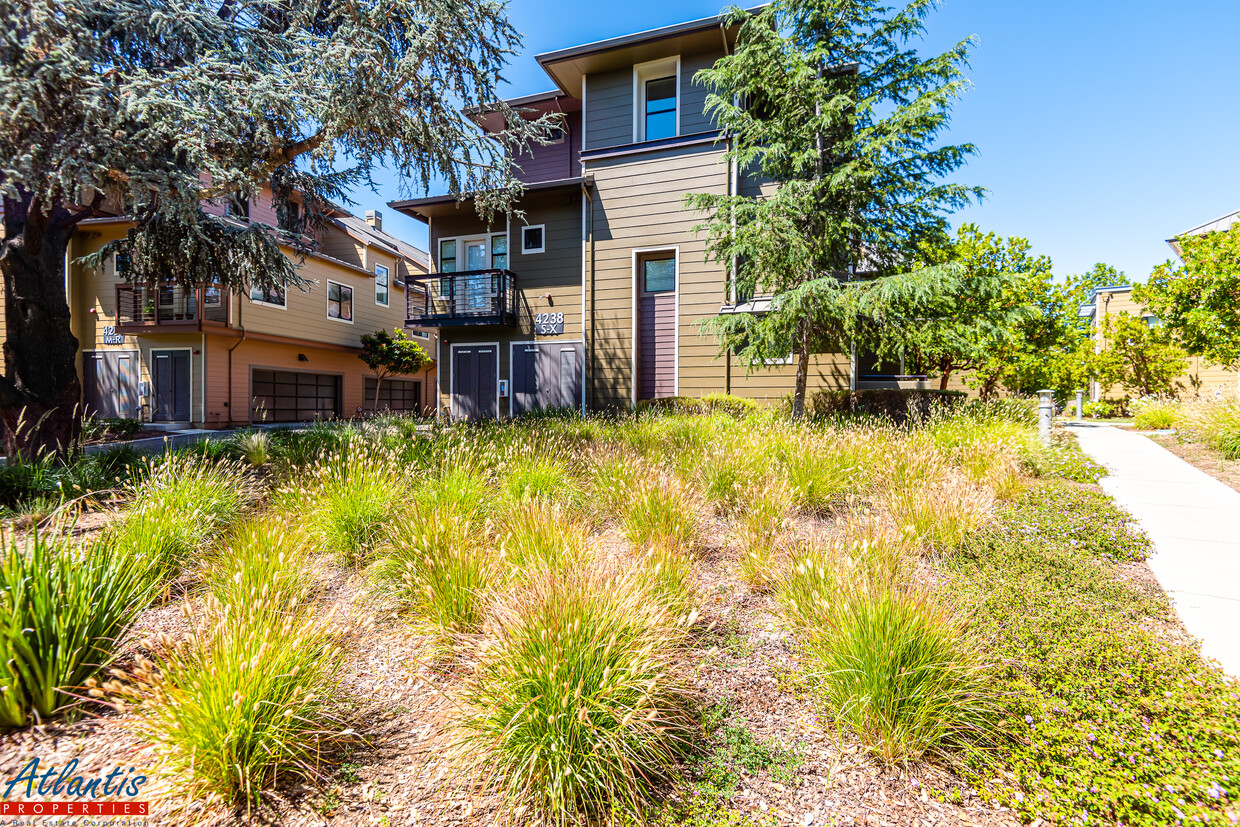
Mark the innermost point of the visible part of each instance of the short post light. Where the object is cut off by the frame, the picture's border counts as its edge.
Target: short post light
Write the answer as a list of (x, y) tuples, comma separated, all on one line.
[(1080, 405), (1046, 411)]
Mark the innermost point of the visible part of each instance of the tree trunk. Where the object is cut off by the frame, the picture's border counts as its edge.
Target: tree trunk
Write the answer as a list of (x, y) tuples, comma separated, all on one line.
[(378, 381), (40, 395), (945, 374), (798, 398)]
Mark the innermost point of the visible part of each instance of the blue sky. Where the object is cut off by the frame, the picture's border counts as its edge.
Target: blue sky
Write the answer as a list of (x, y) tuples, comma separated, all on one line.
[(1103, 127)]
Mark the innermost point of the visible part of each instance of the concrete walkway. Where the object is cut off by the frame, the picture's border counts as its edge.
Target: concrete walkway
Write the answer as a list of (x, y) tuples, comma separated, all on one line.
[(1194, 522)]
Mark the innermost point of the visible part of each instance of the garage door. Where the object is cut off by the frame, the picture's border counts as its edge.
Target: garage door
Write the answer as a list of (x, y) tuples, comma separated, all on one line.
[(546, 376), (288, 396)]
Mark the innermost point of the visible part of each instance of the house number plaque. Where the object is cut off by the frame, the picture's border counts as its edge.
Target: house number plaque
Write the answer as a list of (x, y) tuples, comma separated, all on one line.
[(111, 337), (549, 324)]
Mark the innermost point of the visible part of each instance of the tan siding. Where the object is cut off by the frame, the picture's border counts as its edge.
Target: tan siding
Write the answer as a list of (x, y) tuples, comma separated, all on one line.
[(609, 109), (339, 244)]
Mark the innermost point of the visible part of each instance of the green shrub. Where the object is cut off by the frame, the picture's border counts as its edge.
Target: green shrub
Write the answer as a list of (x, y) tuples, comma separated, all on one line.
[(1215, 422), (672, 404), (579, 709), (899, 406), (1102, 408), (96, 429), (1153, 413), (245, 702), (734, 405), (64, 612)]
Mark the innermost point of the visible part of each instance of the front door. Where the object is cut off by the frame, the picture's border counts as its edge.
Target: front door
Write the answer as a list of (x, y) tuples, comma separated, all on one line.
[(473, 382), (170, 377), (546, 375), (656, 326)]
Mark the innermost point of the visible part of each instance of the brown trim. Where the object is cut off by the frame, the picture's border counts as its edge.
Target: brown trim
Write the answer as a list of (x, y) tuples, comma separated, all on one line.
[(270, 338), (621, 150)]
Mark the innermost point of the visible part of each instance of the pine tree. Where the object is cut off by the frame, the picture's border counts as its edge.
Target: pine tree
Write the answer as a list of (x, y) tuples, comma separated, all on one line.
[(824, 100), (149, 107)]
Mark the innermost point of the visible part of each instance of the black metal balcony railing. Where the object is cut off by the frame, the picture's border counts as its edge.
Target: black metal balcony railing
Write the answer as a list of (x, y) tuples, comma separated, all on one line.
[(139, 304), (475, 297)]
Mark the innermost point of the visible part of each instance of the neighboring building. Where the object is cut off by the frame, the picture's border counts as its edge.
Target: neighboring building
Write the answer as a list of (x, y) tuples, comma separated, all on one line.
[(210, 358), (595, 295), (1201, 378)]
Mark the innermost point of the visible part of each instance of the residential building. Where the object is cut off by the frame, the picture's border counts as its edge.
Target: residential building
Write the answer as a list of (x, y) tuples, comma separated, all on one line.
[(593, 293), (213, 358)]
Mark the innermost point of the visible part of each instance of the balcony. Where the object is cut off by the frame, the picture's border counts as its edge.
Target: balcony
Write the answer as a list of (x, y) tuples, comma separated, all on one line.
[(141, 306), (475, 297)]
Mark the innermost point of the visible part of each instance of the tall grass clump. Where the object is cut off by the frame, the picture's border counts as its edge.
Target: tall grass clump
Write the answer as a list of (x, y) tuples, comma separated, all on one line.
[(179, 507), (822, 469), (439, 567), (63, 614), (941, 512), (758, 529), (247, 701), (668, 574), (261, 559), (350, 497), (579, 710), (543, 535), (456, 489), (895, 667), (544, 480), (659, 511), (254, 447), (1155, 413), (1215, 422)]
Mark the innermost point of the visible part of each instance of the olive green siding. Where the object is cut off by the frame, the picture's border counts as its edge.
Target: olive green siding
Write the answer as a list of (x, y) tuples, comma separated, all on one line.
[(693, 117), (556, 272)]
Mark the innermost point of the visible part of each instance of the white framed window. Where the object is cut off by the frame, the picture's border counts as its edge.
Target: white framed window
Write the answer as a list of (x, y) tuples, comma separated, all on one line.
[(381, 285), (339, 302), (656, 100), (273, 296), (533, 239)]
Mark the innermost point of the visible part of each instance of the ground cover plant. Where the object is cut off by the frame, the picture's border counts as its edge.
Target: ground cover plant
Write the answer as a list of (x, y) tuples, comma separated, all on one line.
[(562, 586)]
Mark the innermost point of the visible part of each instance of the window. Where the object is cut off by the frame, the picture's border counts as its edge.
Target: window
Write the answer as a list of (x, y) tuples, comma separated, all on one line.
[(499, 252), (381, 285), (660, 109), (447, 256), (555, 136), (122, 263), (872, 367), (237, 207), (339, 301), (533, 239), (268, 295), (292, 218), (655, 100), (659, 275), (395, 394)]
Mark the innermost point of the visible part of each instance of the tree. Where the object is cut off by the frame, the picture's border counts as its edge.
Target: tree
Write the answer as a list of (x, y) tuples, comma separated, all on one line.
[(1140, 358), (149, 107), (822, 98), (984, 330), (1199, 300), (391, 354)]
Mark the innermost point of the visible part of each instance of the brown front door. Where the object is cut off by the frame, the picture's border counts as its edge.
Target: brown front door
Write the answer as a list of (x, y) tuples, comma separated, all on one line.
[(656, 326), (473, 382), (170, 371)]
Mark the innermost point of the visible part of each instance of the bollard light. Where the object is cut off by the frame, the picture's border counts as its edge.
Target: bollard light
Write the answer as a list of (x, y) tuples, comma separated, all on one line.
[(1046, 410)]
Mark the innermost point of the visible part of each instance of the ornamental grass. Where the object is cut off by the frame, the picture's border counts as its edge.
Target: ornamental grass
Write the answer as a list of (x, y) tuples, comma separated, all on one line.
[(579, 708)]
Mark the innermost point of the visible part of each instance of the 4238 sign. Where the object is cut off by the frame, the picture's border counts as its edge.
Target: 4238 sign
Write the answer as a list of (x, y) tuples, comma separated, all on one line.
[(549, 324)]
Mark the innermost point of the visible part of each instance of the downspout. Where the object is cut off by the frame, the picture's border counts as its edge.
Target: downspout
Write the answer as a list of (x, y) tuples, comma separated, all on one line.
[(587, 321), (241, 325)]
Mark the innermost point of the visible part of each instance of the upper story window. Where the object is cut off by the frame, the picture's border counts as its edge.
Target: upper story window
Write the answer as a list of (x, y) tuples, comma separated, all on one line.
[(534, 239), (271, 295), (339, 301), (447, 256), (381, 285), (237, 207), (656, 102)]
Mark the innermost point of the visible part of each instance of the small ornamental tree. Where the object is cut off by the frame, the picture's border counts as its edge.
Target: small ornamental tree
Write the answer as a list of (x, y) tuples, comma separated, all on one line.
[(148, 108), (1140, 358), (1199, 301), (391, 354)]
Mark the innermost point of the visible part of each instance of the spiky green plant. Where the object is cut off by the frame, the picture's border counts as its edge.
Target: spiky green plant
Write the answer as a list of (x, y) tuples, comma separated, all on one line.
[(350, 497), (64, 611), (659, 511), (254, 447), (758, 527), (543, 535), (579, 709), (261, 559), (245, 702)]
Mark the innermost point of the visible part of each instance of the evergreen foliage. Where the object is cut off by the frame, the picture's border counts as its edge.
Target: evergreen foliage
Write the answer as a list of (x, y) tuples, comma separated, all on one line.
[(390, 353)]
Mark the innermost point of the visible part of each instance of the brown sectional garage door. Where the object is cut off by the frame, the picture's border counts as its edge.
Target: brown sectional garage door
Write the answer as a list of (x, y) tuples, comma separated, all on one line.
[(287, 396)]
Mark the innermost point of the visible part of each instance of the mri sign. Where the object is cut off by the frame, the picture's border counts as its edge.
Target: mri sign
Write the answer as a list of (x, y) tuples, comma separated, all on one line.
[(549, 324)]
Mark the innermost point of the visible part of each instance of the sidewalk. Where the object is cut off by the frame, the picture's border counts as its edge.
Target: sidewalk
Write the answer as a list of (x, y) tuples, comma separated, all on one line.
[(1194, 522)]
